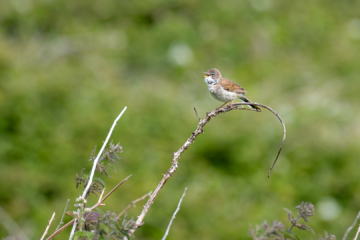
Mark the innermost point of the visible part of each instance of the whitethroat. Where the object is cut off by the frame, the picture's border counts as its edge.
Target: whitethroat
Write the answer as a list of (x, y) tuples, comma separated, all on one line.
[(223, 89)]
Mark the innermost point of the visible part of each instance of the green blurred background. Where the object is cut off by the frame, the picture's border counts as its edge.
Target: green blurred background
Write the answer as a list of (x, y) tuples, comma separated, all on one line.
[(67, 69)]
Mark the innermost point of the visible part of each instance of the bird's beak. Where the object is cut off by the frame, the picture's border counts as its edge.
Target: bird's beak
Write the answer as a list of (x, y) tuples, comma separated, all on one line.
[(207, 74)]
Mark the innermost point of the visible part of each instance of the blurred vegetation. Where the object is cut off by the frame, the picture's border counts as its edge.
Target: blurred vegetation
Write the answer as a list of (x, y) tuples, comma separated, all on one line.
[(67, 69)]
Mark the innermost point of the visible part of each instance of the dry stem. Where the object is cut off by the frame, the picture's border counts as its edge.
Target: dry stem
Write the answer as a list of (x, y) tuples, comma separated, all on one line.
[(357, 233), (132, 204), (352, 226), (99, 154), (173, 216), (107, 195), (199, 129), (47, 227), (61, 220)]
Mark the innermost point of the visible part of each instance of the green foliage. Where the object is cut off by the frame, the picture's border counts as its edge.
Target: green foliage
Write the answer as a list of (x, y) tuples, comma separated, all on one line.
[(273, 231), (306, 210), (110, 225), (109, 155), (101, 226), (107, 225), (67, 68), (82, 235)]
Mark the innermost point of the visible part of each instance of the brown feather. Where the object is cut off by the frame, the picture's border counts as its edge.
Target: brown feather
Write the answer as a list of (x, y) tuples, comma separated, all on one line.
[(231, 86)]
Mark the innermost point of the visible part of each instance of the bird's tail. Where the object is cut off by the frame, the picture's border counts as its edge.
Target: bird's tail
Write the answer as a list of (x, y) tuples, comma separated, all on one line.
[(245, 99)]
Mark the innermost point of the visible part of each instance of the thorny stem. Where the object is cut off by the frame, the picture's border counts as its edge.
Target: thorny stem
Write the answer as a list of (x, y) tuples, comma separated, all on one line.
[(199, 129)]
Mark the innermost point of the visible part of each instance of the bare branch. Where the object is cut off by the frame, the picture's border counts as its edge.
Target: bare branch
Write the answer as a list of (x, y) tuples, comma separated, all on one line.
[(282, 123), (173, 216), (47, 227), (357, 233), (99, 154), (61, 229), (102, 194), (351, 227), (199, 129), (132, 204)]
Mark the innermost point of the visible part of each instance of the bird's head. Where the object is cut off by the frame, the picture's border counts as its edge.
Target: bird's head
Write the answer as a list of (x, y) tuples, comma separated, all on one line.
[(212, 76)]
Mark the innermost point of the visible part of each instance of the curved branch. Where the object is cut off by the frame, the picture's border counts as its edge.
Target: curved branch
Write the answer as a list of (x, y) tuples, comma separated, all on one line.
[(199, 129), (282, 123)]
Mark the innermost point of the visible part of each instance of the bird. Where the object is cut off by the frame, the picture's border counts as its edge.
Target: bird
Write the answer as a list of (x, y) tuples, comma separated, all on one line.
[(224, 90)]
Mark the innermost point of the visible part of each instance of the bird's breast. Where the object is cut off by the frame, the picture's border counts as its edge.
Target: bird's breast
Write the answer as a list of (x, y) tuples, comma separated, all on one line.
[(219, 93)]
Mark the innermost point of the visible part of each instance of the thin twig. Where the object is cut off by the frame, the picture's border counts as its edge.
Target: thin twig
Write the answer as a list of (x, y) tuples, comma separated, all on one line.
[(351, 227), (357, 233), (102, 194), (99, 203), (173, 216), (61, 221), (47, 227), (132, 204), (199, 129), (282, 123), (197, 114), (61, 229), (94, 167), (107, 195)]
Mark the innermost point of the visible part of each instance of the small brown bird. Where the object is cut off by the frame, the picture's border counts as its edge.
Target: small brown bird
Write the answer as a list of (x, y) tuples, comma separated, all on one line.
[(223, 89)]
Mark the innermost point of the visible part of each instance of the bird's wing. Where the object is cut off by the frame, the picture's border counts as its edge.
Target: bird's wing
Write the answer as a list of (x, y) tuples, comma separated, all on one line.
[(230, 86)]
